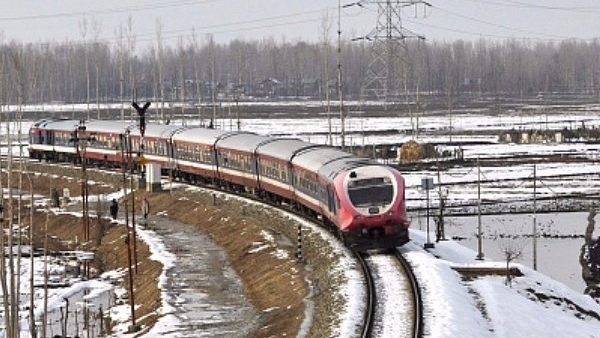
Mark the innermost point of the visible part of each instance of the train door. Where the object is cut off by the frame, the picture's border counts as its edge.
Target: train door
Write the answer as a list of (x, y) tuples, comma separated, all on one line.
[(290, 176), (49, 139), (331, 200), (170, 149), (124, 143), (39, 138)]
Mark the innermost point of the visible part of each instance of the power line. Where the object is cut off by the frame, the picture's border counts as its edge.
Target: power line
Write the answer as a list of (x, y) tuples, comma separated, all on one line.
[(497, 25), (224, 28), (139, 8), (532, 35), (519, 4)]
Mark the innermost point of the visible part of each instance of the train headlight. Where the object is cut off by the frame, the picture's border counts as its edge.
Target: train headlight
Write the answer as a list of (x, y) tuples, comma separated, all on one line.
[(357, 217), (391, 213)]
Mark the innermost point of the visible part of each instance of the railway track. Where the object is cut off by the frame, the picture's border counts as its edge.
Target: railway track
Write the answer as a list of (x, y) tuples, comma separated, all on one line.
[(417, 303), (393, 303), (370, 300)]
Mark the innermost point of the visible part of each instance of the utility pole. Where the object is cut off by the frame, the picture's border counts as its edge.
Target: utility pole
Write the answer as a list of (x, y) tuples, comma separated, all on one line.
[(389, 52), (340, 86), (125, 141), (534, 218), (479, 234), (142, 125), (80, 139), (237, 109), (440, 233), (427, 184)]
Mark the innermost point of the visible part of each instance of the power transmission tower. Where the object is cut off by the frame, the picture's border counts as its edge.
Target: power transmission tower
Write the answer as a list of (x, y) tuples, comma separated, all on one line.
[(387, 73)]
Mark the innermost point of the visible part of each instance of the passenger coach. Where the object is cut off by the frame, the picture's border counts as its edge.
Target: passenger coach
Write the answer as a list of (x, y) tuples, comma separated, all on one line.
[(360, 198)]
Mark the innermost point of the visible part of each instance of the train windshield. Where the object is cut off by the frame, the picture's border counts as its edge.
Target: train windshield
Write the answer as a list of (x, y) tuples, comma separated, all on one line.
[(371, 191)]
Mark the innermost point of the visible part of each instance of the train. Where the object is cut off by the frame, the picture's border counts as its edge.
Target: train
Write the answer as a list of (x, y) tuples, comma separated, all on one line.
[(359, 199)]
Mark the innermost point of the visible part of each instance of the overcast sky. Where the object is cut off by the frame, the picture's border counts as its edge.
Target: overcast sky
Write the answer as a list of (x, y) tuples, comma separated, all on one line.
[(41, 21)]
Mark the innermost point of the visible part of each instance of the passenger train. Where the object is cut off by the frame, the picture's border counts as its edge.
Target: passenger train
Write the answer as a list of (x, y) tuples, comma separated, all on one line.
[(362, 200)]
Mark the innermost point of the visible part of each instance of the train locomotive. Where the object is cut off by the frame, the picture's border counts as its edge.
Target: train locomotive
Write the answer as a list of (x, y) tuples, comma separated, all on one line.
[(358, 198)]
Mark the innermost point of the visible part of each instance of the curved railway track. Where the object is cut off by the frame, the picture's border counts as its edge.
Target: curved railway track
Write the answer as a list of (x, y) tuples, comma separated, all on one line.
[(416, 296), (393, 299), (370, 300)]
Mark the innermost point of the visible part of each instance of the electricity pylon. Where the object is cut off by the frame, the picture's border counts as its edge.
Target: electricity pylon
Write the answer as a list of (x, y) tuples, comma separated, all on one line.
[(387, 74)]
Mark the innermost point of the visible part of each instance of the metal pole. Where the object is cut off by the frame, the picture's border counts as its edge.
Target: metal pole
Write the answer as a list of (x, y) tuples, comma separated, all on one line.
[(133, 229), (299, 248), (340, 86), (479, 240), (428, 216), (124, 146), (534, 219), (427, 184), (237, 111), (428, 245)]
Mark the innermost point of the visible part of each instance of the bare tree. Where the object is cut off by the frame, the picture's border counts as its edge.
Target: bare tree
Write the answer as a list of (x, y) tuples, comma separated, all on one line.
[(3, 241), (121, 47), (181, 79), (197, 81), (512, 249), (213, 81), (325, 29), (589, 268), (130, 53), (83, 30), (160, 49), (96, 26), (450, 71)]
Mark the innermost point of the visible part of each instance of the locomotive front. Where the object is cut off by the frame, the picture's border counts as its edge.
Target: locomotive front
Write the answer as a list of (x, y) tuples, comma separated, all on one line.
[(372, 213)]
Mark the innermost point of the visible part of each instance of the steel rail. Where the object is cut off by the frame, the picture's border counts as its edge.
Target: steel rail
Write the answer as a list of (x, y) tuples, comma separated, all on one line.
[(371, 300), (417, 302)]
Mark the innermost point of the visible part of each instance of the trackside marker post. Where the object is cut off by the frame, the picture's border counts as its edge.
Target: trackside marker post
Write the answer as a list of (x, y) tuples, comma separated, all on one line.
[(427, 184), (299, 244)]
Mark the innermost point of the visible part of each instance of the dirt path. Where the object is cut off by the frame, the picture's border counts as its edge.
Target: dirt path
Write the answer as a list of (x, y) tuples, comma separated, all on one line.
[(204, 291)]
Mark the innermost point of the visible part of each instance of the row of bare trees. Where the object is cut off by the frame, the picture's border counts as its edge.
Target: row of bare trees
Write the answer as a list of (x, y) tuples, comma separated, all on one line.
[(201, 70)]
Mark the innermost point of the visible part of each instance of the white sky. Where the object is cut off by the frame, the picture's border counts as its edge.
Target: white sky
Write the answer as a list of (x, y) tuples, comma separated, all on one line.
[(59, 21)]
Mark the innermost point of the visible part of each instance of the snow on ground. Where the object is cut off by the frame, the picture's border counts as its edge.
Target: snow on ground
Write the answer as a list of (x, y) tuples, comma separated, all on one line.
[(484, 307), (487, 307)]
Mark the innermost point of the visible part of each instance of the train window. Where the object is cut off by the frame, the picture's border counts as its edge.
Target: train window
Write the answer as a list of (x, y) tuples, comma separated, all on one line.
[(206, 156), (189, 151), (238, 161), (134, 145), (371, 192), (149, 145)]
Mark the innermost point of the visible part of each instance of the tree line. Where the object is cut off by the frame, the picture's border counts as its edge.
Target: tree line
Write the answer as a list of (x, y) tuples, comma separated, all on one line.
[(206, 71)]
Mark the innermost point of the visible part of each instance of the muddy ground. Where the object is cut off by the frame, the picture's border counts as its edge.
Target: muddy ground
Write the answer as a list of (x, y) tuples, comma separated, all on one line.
[(274, 286)]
